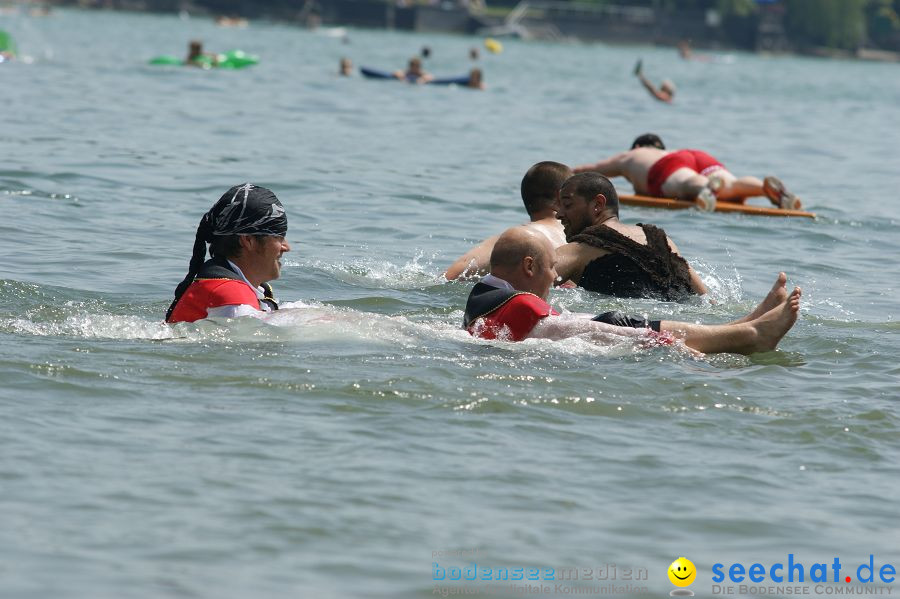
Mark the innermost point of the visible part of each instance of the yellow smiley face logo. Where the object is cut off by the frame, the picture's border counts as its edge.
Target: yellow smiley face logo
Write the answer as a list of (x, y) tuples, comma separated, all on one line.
[(682, 572)]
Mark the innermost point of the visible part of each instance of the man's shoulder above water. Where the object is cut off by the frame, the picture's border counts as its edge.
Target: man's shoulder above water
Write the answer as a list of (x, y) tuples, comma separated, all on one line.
[(552, 229)]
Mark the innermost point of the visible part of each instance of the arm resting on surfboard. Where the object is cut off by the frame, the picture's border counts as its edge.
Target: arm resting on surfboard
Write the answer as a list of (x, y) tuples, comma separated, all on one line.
[(610, 167)]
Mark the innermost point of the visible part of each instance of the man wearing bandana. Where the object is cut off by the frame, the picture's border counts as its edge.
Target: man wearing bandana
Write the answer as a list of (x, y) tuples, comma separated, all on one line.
[(245, 231)]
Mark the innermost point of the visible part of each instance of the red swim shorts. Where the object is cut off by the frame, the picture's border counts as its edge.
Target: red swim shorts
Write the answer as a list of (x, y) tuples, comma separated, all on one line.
[(697, 161)]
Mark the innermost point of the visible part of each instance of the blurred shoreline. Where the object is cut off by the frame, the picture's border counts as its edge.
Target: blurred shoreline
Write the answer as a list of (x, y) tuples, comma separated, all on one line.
[(766, 30)]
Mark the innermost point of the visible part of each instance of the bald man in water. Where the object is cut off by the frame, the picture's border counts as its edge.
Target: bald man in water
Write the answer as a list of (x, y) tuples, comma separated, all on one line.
[(511, 303)]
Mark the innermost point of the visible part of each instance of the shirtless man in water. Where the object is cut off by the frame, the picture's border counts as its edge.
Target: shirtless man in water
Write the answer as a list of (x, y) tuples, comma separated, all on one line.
[(510, 303), (540, 191), (689, 175)]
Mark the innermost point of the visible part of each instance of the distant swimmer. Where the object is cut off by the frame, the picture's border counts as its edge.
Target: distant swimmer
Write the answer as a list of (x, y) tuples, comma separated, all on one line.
[(196, 57), (666, 90), (414, 72), (687, 175), (226, 21), (475, 80), (607, 256), (540, 193), (346, 67), (687, 53), (245, 231), (41, 10), (511, 304)]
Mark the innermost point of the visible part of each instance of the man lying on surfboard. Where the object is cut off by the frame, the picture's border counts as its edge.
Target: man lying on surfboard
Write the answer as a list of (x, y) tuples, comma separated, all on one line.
[(687, 175)]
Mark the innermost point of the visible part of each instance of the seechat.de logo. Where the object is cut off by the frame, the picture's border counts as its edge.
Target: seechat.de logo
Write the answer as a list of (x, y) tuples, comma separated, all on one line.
[(682, 573), (797, 571)]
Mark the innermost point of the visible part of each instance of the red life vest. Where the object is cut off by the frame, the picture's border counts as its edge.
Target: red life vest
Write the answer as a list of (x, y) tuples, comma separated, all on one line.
[(492, 312), (215, 285)]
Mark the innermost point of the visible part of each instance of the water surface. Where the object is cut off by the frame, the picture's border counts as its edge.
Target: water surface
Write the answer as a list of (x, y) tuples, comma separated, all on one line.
[(331, 451)]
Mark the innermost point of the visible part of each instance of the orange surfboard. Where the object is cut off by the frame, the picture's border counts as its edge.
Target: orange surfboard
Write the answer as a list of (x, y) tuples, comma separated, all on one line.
[(670, 204)]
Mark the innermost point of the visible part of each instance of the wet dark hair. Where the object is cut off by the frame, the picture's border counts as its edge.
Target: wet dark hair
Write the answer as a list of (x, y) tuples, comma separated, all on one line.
[(648, 140), (229, 246), (541, 184), (588, 185), (226, 246)]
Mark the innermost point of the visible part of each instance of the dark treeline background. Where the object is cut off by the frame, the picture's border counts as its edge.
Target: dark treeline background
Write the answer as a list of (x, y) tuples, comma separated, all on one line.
[(842, 24), (838, 24)]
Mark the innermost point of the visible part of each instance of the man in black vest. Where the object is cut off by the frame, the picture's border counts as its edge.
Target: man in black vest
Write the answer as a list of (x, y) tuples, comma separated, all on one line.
[(610, 257)]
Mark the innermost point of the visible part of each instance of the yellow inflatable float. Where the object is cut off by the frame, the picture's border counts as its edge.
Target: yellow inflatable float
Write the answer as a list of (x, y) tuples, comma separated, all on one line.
[(493, 46)]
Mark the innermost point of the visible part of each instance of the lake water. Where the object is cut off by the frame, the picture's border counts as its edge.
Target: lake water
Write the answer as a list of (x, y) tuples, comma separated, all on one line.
[(332, 451)]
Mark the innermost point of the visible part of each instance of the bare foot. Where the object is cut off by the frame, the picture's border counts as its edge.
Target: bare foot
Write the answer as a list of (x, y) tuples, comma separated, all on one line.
[(772, 300), (774, 324)]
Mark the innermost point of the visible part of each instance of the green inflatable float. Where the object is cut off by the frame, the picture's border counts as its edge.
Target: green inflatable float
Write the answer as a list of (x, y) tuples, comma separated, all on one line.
[(7, 46), (234, 59)]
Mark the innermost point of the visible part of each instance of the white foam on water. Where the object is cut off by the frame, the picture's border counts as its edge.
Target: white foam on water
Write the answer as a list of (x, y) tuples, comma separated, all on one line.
[(723, 282), (305, 322), (418, 272), (308, 323), (92, 326)]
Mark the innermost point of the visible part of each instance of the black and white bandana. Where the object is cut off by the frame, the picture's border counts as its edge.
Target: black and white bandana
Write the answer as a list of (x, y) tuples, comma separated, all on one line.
[(246, 210), (243, 210)]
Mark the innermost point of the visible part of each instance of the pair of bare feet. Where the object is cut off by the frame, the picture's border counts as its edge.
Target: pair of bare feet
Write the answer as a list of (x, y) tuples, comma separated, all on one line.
[(758, 331), (774, 316)]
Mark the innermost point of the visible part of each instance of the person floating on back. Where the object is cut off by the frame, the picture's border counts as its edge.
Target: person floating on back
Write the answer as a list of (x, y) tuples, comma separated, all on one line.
[(511, 304), (245, 231)]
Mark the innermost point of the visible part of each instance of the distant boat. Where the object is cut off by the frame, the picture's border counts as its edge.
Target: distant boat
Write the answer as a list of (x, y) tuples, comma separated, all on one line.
[(511, 31), (512, 26)]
